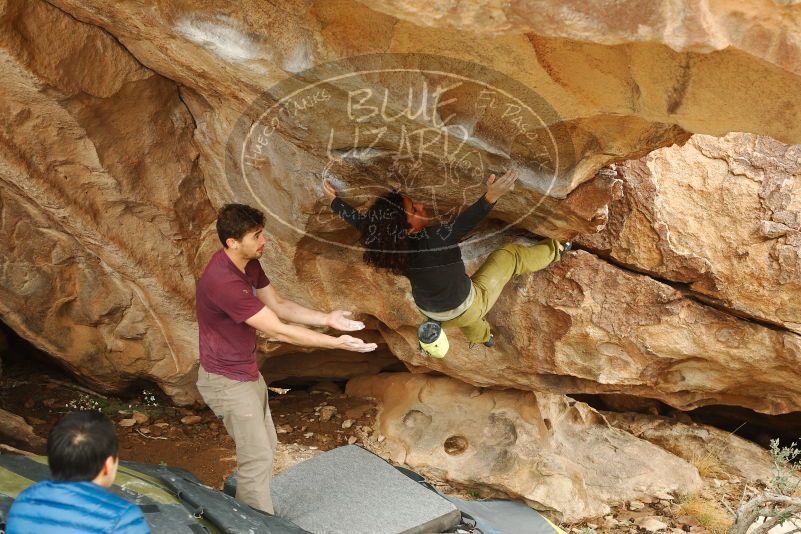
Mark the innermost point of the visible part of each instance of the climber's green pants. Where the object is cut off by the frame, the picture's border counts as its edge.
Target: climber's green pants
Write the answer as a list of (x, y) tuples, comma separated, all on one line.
[(491, 278)]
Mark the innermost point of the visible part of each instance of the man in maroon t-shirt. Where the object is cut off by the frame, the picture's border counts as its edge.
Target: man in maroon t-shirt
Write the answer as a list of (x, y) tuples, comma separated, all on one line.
[(234, 299)]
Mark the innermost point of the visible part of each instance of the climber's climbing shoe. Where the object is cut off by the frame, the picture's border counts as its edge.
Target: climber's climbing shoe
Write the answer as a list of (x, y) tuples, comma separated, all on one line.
[(488, 343)]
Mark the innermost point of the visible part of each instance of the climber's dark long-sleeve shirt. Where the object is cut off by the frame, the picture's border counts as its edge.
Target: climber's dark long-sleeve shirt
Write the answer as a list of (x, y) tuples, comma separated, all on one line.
[(437, 273)]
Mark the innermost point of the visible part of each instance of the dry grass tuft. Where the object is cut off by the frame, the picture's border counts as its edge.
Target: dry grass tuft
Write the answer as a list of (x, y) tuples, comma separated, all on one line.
[(709, 466), (710, 514)]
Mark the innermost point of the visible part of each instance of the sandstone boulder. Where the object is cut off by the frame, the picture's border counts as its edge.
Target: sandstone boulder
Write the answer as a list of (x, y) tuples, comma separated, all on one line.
[(698, 443), (687, 25), (117, 152), (13, 428), (100, 210), (721, 215), (586, 326), (551, 451)]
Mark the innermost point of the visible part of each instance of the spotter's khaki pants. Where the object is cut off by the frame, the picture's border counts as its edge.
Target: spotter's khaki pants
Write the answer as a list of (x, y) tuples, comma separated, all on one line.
[(490, 279), (243, 408)]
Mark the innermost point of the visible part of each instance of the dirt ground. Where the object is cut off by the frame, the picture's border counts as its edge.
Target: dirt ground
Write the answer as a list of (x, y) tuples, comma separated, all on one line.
[(195, 440)]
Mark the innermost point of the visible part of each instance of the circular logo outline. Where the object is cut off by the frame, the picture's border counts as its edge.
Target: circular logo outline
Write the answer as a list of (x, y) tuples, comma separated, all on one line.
[(308, 81)]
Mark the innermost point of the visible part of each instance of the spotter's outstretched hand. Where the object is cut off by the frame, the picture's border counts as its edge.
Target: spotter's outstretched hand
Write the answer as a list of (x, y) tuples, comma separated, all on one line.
[(340, 319), (355, 344)]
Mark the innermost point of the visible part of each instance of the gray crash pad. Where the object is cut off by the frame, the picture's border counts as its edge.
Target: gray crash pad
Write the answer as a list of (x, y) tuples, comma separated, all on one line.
[(350, 490)]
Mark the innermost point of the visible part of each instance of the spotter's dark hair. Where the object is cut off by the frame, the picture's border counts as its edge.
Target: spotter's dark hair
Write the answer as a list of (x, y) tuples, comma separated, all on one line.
[(236, 220), (79, 444)]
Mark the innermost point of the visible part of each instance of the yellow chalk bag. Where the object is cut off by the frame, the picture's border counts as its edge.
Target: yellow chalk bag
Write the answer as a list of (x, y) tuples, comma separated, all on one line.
[(432, 338)]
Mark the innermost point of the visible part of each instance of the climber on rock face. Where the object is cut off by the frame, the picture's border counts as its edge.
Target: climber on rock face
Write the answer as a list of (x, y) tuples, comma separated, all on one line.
[(396, 236)]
